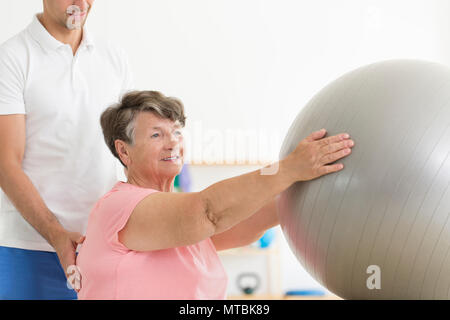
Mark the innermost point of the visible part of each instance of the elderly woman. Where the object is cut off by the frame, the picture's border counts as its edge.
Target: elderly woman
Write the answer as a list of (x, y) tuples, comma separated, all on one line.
[(145, 241)]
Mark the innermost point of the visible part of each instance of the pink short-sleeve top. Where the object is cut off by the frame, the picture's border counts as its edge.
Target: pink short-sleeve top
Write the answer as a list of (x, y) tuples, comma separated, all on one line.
[(109, 270)]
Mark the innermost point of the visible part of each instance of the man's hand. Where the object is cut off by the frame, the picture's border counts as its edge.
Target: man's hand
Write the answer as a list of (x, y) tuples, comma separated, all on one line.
[(65, 244)]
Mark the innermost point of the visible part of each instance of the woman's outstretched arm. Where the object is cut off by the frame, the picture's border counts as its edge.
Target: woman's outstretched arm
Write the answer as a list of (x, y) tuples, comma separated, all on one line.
[(249, 230), (166, 220)]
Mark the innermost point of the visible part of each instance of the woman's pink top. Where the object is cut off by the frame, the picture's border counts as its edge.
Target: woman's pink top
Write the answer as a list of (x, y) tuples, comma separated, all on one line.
[(109, 270)]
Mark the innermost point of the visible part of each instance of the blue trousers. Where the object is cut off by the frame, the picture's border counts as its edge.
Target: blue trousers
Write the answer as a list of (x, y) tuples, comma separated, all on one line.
[(32, 275)]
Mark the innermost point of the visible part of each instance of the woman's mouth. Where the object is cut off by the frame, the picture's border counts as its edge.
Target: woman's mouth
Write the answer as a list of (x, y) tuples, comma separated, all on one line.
[(171, 158)]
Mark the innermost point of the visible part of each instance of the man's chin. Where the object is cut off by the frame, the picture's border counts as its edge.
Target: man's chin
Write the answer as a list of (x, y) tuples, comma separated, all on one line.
[(71, 25)]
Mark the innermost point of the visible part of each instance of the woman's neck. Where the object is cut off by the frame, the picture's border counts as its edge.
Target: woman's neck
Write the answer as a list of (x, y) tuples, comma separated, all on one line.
[(160, 184)]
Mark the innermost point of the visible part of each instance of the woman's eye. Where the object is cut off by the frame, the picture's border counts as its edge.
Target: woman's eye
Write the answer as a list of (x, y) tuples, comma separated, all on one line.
[(155, 135), (178, 133)]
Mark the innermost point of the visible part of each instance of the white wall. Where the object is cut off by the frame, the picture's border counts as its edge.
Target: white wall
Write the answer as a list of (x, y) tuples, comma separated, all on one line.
[(251, 65), (245, 68)]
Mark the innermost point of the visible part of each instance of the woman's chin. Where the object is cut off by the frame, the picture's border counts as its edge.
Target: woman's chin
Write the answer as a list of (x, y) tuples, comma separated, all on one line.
[(172, 168)]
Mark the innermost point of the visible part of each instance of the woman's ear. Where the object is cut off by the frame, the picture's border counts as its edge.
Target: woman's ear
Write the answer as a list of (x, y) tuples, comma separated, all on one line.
[(123, 152)]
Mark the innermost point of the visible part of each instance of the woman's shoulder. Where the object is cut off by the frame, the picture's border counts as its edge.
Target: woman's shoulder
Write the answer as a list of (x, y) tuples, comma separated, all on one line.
[(123, 188), (113, 210), (121, 196)]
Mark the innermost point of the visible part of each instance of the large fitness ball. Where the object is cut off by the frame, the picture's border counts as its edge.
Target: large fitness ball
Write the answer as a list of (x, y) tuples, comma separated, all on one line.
[(379, 228)]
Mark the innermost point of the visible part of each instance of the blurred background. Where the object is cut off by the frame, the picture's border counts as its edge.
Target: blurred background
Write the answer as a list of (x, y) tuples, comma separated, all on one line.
[(243, 70)]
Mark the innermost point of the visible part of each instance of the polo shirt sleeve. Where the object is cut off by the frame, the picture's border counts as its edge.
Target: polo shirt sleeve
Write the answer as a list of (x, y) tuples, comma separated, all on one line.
[(11, 85)]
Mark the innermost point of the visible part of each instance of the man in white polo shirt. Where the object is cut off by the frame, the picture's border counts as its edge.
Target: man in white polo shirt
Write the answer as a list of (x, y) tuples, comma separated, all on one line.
[(55, 81)]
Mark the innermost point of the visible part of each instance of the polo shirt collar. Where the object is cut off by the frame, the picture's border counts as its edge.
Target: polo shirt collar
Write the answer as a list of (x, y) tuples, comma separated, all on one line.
[(48, 42), (87, 40)]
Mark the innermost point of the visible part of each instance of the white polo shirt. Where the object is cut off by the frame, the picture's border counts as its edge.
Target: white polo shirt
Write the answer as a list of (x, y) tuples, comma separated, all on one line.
[(62, 96)]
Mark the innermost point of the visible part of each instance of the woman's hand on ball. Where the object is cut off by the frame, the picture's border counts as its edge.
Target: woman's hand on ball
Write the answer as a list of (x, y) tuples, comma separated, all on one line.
[(314, 156)]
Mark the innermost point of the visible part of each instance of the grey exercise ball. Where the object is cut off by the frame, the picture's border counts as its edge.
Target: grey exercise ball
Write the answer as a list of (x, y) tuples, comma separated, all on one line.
[(379, 228)]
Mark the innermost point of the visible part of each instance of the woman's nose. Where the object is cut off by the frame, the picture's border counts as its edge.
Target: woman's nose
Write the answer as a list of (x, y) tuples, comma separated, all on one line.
[(172, 141)]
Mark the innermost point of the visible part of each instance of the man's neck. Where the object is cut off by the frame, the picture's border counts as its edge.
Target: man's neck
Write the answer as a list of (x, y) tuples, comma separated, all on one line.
[(60, 33)]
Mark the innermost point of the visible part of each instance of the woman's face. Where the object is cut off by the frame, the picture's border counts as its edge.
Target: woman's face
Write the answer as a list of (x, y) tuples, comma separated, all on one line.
[(157, 152)]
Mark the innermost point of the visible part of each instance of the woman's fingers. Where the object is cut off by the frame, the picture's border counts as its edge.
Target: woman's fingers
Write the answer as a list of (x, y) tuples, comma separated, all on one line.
[(316, 135), (332, 157), (315, 155), (335, 148), (330, 169), (331, 148), (333, 139)]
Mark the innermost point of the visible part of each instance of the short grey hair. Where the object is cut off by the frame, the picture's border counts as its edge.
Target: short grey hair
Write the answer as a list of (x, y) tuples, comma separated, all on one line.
[(118, 121)]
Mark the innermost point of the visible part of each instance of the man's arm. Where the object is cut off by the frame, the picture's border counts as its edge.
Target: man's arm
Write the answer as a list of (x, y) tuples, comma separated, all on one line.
[(25, 197), (16, 184), (249, 230)]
